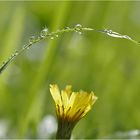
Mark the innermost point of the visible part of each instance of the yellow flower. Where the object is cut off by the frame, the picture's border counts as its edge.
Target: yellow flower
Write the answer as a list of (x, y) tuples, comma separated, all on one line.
[(72, 106)]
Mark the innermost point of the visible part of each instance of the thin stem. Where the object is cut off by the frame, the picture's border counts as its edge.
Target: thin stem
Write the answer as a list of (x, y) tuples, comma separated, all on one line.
[(78, 28), (39, 39)]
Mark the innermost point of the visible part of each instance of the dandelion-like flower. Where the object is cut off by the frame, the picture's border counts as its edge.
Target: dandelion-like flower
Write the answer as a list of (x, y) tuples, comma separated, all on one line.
[(70, 108)]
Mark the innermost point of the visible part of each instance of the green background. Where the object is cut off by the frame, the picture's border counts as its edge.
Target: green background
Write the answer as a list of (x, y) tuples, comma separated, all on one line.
[(91, 61)]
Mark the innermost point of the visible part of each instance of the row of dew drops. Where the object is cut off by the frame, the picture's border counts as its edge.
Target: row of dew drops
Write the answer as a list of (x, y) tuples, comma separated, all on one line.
[(34, 39), (46, 34)]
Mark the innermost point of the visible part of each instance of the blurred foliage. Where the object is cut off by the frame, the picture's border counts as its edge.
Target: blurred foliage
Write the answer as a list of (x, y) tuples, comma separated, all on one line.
[(91, 61)]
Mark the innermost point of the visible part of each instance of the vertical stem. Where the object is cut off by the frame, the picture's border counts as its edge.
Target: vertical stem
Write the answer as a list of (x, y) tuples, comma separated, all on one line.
[(64, 130)]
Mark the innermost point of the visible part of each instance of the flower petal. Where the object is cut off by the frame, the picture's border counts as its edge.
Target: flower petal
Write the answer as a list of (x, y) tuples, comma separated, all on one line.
[(56, 94)]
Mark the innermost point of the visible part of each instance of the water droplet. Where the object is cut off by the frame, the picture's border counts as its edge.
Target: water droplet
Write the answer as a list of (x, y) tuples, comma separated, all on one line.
[(44, 32), (112, 33), (78, 26), (56, 35), (52, 37), (32, 39)]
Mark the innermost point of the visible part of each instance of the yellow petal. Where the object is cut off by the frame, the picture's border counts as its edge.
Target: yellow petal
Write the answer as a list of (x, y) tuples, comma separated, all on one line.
[(65, 99), (81, 103), (68, 90), (56, 94), (82, 99)]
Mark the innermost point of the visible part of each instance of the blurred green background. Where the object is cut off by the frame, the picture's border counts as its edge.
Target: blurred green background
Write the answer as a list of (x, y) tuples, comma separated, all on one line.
[(91, 61)]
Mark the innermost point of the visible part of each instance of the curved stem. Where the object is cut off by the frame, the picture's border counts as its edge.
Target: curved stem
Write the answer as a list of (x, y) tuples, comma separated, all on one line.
[(38, 39)]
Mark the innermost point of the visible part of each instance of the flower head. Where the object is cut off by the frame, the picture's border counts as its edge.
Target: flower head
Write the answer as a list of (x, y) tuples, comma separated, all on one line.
[(70, 107)]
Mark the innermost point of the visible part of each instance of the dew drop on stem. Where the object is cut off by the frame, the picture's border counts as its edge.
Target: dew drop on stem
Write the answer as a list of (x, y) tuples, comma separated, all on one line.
[(32, 39), (78, 28), (44, 32)]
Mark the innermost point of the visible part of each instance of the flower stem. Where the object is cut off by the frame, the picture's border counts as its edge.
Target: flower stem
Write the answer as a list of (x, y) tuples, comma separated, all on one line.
[(64, 130)]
